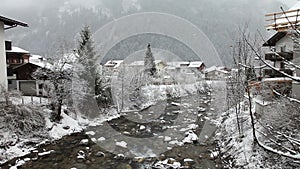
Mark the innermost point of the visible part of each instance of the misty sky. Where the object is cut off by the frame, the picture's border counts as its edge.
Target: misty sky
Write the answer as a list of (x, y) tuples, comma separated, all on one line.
[(11, 4)]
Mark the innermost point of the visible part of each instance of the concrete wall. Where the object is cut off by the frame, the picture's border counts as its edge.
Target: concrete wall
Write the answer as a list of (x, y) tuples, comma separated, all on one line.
[(287, 42), (3, 74), (296, 90)]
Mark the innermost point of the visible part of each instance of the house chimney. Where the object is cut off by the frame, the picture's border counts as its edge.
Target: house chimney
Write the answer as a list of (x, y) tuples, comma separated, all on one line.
[(8, 45)]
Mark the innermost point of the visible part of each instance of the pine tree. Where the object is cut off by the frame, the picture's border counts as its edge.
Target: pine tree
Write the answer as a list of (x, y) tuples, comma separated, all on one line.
[(86, 59), (149, 62)]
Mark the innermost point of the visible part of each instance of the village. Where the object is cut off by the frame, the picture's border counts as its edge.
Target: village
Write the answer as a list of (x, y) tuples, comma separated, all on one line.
[(76, 109)]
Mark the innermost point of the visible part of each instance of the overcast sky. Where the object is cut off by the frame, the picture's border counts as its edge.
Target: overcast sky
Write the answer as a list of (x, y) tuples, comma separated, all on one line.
[(29, 3), (290, 3)]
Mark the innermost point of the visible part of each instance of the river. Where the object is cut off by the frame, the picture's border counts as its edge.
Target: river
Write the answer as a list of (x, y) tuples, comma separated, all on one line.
[(137, 144)]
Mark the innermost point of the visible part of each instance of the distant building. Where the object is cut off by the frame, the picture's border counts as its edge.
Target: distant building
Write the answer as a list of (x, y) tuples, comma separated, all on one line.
[(5, 24), (111, 66), (216, 73)]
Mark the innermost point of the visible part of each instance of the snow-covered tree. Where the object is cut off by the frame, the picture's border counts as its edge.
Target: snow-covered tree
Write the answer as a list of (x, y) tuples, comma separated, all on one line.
[(88, 82), (56, 75), (86, 57)]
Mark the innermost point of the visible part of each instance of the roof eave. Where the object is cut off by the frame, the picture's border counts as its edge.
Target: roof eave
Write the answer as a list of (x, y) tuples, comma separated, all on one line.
[(11, 22)]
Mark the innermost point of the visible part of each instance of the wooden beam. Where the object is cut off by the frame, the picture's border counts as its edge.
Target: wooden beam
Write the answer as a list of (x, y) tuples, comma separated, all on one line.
[(292, 16), (277, 13), (283, 23)]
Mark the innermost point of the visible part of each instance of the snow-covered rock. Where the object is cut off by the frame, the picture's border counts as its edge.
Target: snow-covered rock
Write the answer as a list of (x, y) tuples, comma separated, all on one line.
[(101, 139), (84, 142), (167, 164), (142, 127), (190, 137), (167, 138), (45, 153), (90, 133), (122, 144)]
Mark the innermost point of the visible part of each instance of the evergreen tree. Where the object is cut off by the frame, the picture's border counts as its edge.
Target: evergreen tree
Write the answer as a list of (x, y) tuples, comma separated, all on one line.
[(149, 62), (86, 57)]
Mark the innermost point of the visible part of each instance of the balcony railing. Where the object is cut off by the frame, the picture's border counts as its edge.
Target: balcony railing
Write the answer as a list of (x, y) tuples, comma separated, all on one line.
[(273, 57), (273, 73)]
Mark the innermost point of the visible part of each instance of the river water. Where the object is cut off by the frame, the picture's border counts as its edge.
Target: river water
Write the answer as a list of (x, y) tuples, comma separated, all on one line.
[(132, 143)]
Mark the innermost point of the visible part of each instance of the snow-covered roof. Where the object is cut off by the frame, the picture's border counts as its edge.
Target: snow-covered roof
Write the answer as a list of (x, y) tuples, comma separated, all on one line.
[(195, 64), (178, 64), (216, 68), (15, 49), (137, 63), (210, 69), (42, 64), (141, 62), (35, 58), (113, 63)]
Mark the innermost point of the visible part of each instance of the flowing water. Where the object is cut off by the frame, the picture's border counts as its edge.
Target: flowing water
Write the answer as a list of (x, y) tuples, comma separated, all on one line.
[(98, 149)]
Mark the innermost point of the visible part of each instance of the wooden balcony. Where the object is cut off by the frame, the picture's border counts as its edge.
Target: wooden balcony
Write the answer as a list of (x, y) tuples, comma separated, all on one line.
[(272, 73), (273, 57)]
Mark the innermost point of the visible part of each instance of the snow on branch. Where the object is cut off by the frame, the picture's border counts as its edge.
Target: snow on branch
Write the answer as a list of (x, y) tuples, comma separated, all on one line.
[(290, 98), (287, 154), (286, 61), (256, 67)]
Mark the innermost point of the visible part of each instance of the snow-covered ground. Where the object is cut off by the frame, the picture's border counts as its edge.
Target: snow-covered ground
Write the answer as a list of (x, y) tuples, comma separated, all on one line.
[(234, 145), (13, 145)]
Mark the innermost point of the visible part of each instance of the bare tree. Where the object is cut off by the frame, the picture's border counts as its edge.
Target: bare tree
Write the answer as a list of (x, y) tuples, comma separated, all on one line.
[(278, 131), (56, 74)]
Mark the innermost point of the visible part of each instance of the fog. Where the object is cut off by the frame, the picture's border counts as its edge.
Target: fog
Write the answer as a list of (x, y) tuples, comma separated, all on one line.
[(57, 20)]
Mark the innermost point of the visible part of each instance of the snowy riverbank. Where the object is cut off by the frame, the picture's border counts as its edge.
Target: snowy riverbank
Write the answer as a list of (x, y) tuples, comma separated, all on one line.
[(25, 126)]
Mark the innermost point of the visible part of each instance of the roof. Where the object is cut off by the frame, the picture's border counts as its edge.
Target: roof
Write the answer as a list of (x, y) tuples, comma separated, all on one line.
[(113, 63), (178, 63), (12, 22), (195, 64), (137, 63), (274, 39), (218, 69), (141, 62), (17, 50), (25, 64)]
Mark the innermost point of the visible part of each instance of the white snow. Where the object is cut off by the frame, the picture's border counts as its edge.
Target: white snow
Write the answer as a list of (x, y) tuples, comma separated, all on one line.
[(45, 153), (195, 64), (167, 138), (188, 160), (84, 141), (190, 137), (101, 139), (168, 163), (15, 49), (122, 144), (92, 133), (81, 154), (142, 127), (276, 79), (58, 130), (18, 164)]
